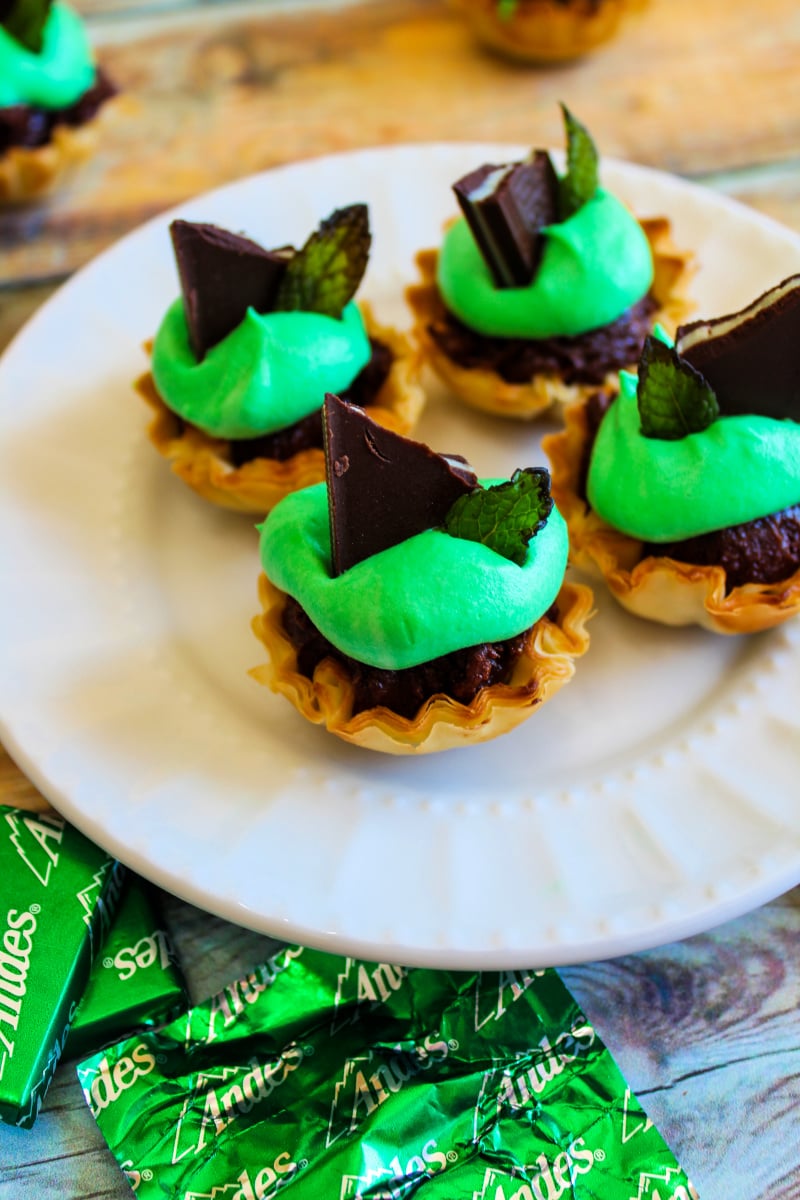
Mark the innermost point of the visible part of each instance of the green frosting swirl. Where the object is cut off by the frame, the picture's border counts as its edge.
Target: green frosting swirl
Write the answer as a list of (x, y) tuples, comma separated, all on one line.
[(738, 469), (595, 265), (417, 600), (58, 75), (269, 372)]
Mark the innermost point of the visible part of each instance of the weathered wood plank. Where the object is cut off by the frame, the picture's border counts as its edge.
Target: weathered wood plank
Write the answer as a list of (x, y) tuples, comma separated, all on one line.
[(15, 788), (207, 103), (707, 1033)]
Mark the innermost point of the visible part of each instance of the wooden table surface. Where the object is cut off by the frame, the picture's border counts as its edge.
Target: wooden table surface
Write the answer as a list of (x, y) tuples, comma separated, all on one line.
[(708, 1030)]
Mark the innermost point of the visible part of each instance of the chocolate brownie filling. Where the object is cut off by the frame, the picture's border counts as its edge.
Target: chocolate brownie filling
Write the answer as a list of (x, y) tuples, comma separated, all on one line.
[(460, 674), (587, 358), (766, 550), (30, 126), (307, 434)]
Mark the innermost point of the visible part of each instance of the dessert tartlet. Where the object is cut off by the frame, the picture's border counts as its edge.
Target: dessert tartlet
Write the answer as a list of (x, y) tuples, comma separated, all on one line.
[(242, 360), (683, 491), (409, 608), (546, 31), (545, 287), (50, 95)]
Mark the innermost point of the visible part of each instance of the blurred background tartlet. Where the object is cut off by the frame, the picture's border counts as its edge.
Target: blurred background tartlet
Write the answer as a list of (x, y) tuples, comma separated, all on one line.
[(51, 93), (546, 31)]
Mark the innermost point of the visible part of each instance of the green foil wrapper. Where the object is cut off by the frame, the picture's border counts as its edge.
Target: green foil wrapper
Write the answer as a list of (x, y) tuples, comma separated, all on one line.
[(136, 982), (58, 894), (333, 1077)]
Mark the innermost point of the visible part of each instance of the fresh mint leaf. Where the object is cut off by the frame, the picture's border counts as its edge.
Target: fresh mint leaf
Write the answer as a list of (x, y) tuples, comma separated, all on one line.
[(323, 276), (674, 399), (581, 180), (25, 20), (506, 516)]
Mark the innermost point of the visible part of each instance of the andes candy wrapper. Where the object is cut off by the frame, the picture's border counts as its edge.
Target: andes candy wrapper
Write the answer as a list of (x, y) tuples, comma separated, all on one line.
[(58, 893), (136, 981), (345, 1079)]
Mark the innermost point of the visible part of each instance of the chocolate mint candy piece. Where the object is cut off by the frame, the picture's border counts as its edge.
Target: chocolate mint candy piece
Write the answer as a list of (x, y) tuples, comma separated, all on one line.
[(25, 20), (382, 488), (222, 275), (751, 358), (506, 208)]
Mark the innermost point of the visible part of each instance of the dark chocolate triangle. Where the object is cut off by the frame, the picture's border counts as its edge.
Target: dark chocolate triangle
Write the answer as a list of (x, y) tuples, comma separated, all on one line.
[(506, 208), (25, 20), (222, 274), (751, 358), (382, 488)]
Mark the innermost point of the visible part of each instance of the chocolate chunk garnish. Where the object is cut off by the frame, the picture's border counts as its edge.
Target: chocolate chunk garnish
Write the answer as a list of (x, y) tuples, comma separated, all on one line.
[(222, 275), (506, 207), (751, 358), (25, 20), (382, 488)]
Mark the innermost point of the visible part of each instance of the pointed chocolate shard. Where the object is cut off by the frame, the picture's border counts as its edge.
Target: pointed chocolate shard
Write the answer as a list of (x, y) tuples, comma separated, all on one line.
[(222, 274), (382, 488), (751, 358), (506, 208), (25, 20)]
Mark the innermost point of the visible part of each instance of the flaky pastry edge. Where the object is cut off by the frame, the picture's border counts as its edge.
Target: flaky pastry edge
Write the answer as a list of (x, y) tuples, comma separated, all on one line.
[(545, 665)]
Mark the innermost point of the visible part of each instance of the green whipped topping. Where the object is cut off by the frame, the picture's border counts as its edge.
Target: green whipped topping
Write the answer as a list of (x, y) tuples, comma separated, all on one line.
[(269, 372), (736, 470), (595, 265), (56, 77), (422, 598)]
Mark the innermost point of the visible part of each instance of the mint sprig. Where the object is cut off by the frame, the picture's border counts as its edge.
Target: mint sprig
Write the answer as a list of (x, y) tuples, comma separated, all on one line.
[(673, 398), (25, 20), (581, 180), (323, 276), (506, 516)]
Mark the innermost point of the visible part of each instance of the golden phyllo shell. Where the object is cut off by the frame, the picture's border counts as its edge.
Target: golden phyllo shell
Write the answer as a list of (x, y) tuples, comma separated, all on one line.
[(30, 172), (546, 663), (484, 389), (257, 486), (546, 30), (658, 588)]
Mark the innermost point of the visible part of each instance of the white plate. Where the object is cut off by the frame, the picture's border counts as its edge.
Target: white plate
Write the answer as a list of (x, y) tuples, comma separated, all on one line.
[(655, 796)]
